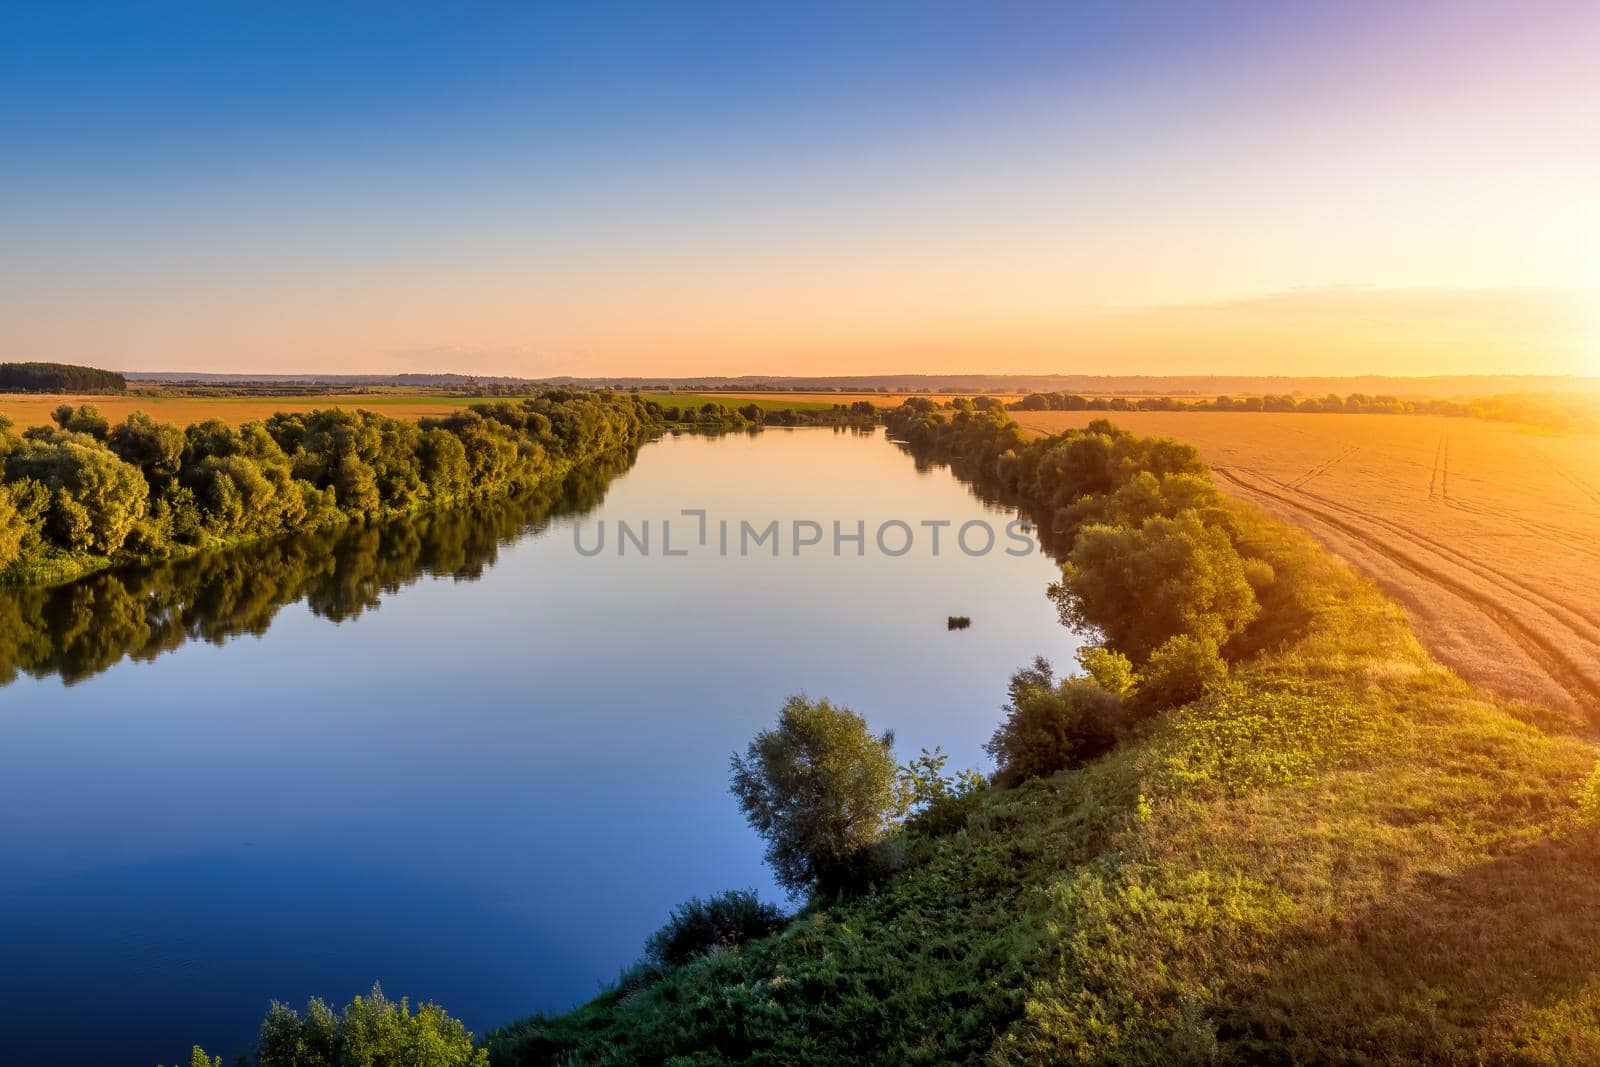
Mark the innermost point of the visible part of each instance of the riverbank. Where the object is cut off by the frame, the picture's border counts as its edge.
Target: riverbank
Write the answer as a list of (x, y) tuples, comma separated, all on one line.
[(1343, 850)]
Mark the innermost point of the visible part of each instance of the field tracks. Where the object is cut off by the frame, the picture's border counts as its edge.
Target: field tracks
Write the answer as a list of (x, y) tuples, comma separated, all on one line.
[(1439, 480), (1577, 483), (1324, 467), (1442, 566)]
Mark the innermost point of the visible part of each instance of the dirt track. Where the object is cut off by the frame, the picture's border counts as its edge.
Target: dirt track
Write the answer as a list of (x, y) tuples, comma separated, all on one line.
[(1488, 535)]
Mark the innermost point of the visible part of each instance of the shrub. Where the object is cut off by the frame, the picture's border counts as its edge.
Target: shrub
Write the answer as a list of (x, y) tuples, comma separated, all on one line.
[(823, 790), (940, 802), (1588, 796), (698, 927), (371, 1032), (1050, 727), (1179, 672)]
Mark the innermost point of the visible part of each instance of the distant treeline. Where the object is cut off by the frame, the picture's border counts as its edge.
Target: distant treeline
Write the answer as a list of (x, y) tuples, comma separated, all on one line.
[(84, 492), (1562, 412), (713, 414), (58, 378)]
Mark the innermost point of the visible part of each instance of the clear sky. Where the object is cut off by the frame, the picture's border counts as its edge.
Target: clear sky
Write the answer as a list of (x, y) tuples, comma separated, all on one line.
[(535, 189)]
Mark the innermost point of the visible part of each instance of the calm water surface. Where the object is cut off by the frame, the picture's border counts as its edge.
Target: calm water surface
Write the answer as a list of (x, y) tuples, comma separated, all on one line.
[(458, 757)]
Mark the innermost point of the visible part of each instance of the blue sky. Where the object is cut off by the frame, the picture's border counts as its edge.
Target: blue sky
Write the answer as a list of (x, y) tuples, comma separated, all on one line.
[(761, 188)]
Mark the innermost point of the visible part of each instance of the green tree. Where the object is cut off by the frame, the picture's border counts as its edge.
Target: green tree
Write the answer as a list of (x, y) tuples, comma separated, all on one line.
[(154, 447), (824, 792), (95, 498), (86, 418), (1141, 585)]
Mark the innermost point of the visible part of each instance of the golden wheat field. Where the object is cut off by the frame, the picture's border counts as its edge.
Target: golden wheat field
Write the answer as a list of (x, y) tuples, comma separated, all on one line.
[(1487, 533)]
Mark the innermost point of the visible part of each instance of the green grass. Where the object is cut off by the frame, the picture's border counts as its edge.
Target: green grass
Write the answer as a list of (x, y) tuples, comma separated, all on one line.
[(766, 403), (1348, 854)]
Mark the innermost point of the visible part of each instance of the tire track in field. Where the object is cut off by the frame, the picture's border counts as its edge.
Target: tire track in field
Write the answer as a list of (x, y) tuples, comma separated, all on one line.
[(1587, 626), (1546, 655), (1578, 483), (1433, 478), (1584, 546), (1444, 482), (1318, 470)]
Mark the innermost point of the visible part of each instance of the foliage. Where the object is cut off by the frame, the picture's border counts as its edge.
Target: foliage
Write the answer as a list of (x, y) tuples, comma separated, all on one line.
[(1050, 726), (145, 490), (1562, 413), (1184, 667), (78, 629), (370, 1032), (1110, 670), (939, 803), (823, 790), (1588, 796), (13, 529), (1141, 586), (85, 419), (725, 921)]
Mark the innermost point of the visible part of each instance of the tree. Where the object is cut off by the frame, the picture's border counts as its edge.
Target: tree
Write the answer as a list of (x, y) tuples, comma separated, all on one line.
[(1142, 585), (95, 498), (154, 447), (85, 419), (823, 790)]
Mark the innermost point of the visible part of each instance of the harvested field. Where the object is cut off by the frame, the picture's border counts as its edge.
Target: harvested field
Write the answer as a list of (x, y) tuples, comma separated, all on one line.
[(33, 409), (882, 400), (1489, 535)]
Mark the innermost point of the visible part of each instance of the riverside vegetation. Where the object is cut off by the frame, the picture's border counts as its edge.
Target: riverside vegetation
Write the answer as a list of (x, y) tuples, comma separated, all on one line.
[(1260, 825), (84, 494)]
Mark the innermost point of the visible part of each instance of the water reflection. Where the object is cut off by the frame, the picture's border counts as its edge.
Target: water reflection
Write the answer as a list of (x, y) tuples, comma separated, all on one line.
[(84, 627)]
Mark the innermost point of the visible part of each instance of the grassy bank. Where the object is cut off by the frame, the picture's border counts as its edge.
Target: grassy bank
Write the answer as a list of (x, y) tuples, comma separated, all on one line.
[(1340, 852)]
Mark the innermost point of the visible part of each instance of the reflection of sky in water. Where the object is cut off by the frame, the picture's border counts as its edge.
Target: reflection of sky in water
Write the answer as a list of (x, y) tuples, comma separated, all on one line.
[(484, 793)]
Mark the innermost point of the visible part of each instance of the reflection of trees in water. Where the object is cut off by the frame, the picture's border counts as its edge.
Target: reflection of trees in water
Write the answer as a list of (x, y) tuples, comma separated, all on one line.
[(82, 628), (991, 492)]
